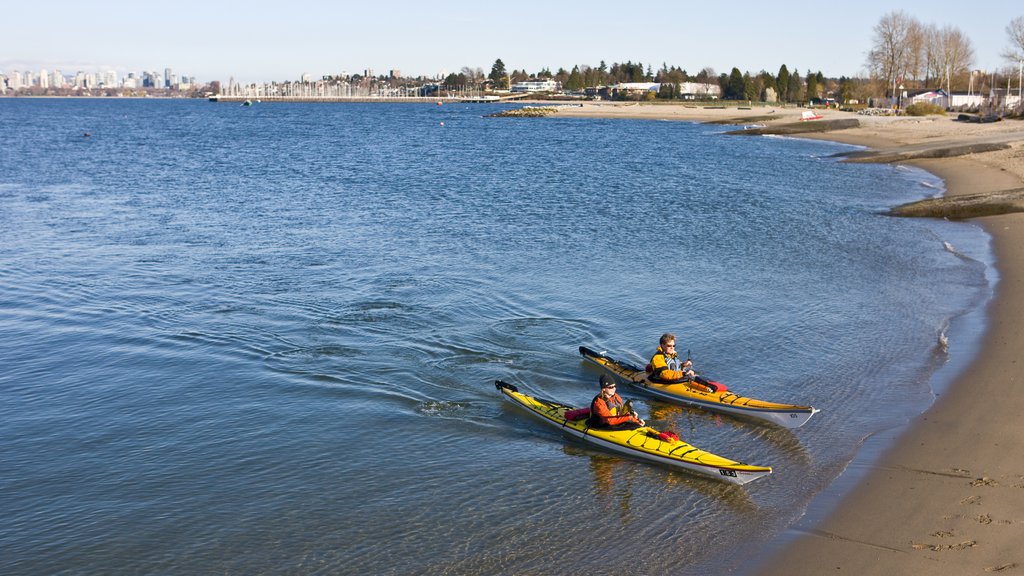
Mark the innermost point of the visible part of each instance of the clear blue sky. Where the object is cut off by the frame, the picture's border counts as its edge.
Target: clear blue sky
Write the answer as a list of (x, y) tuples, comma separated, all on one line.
[(256, 40)]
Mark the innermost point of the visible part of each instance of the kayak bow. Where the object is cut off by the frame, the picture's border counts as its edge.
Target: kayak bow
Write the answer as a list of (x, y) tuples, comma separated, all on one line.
[(645, 443), (695, 394)]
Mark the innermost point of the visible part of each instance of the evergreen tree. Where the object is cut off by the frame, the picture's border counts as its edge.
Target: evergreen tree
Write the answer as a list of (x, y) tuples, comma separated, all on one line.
[(812, 86), (750, 87), (575, 80), (498, 74), (782, 83), (735, 88), (795, 86)]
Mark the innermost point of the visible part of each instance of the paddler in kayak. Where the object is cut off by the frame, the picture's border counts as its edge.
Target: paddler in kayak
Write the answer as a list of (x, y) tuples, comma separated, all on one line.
[(665, 366), (608, 412)]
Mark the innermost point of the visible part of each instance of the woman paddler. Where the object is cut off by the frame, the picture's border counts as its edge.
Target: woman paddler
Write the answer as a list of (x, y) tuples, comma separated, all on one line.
[(608, 412)]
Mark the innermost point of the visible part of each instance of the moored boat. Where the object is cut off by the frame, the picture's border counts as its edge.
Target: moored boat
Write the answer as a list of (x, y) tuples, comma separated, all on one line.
[(710, 395), (644, 443)]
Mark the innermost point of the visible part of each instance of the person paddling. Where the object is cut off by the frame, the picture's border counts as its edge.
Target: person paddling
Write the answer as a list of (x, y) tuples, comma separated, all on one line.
[(607, 411), (666, 366)]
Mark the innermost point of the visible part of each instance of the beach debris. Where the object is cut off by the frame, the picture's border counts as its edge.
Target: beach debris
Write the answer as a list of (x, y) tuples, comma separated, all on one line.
[(877, 112), (943, 547)]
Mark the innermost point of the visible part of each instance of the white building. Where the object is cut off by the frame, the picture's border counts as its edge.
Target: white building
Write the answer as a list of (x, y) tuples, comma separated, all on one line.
[(536, 86)]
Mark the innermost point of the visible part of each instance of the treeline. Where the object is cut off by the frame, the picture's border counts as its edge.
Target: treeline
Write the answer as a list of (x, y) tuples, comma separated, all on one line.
[(785, 86)]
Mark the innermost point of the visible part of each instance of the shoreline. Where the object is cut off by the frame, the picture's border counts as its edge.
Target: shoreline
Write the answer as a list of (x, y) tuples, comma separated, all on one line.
[(943, 493)]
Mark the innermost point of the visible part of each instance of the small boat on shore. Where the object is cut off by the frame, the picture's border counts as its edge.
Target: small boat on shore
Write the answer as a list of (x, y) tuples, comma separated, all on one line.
[(644, 443), (709, 396)]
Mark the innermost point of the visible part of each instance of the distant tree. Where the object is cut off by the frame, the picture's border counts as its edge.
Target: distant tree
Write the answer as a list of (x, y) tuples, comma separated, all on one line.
[(812, 85), (454, 80), (668, 91), (751, 90), (591, 76), (782, 83), (498, 74), (562, 76), (734, 88), (763, 81), (893, 58), (794, 89), (519, 76), (1015, 32), (845, 89), (474, 76), (948, 55), (706, 75), (575, 80)]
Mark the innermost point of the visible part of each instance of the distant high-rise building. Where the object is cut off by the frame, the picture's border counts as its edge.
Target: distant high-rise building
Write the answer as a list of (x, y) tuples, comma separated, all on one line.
[(44, 78), (168, 78), (305, 77)]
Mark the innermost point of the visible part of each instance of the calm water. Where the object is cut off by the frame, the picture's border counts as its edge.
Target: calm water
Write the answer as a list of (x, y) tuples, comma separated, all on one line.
[(264, 340)]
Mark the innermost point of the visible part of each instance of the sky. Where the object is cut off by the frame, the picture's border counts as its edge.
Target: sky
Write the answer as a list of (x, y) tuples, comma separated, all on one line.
[(261, 41)]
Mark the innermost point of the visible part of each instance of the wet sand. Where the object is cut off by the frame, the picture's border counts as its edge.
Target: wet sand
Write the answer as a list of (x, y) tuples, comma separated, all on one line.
[(947, 497)]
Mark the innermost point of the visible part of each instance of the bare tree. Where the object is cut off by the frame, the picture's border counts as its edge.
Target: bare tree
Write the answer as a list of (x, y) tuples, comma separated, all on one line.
[(1015, 30), (949, 54), (897, 48), (474, 76)]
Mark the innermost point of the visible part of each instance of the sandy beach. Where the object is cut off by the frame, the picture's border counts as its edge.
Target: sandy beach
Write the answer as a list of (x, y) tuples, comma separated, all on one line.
[(947, 497)]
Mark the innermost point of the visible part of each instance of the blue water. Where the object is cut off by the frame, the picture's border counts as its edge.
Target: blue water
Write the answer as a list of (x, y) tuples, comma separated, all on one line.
[(264, 339)]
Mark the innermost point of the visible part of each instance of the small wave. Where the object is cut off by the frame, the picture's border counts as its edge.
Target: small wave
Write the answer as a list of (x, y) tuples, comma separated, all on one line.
[(442, 408), (925, 184), (952, 250), (942, 340)]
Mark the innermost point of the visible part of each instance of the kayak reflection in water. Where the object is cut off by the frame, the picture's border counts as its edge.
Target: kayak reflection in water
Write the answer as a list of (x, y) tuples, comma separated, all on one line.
[(608, 412)]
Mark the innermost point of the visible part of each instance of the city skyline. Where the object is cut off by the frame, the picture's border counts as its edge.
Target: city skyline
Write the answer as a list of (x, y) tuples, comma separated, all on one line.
[(258, 42)]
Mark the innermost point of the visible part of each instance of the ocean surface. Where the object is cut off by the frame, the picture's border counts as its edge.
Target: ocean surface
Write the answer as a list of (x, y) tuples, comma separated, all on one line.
[(264, 340)]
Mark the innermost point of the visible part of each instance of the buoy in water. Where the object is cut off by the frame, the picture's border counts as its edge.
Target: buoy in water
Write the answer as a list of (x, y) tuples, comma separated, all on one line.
[(439, 103), (442, 123)]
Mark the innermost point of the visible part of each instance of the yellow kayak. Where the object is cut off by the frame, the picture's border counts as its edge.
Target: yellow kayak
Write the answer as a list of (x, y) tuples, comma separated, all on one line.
[(645, 443), (712, 396)]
